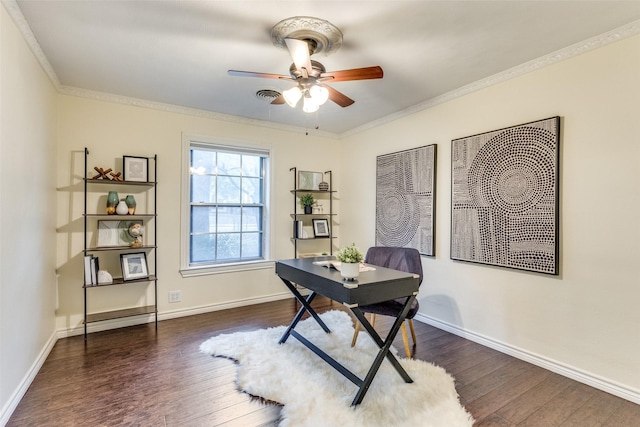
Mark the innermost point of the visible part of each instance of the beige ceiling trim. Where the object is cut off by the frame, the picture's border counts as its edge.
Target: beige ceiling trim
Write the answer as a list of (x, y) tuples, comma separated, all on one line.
[(177, 109), (596, 42), (18, 18)]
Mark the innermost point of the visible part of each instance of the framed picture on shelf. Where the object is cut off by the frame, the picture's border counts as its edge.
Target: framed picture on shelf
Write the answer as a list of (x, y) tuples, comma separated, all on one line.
[(115, 233), (320, 227), (135, 168), (134, 266), (309, 180)]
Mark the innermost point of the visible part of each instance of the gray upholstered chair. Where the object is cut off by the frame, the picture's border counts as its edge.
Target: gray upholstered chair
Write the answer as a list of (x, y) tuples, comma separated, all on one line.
[(403, 259)]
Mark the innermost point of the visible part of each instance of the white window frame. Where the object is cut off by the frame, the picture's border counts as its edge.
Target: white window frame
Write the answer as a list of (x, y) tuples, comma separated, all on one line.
[(187, 270)]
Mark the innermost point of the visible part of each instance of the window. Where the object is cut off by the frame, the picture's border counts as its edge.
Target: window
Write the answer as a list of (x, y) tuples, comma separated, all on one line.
[(227, 206)]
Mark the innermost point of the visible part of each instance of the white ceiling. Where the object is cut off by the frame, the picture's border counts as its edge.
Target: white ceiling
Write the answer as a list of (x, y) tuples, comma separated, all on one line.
[(178, 52)]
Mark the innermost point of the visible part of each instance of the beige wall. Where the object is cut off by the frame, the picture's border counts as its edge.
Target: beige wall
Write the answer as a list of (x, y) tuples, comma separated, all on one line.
[(111, 130), (27, 213), (587, 318)]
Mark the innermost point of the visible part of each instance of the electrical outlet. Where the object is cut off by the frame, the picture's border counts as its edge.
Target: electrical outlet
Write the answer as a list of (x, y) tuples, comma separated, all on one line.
[(175, 296)]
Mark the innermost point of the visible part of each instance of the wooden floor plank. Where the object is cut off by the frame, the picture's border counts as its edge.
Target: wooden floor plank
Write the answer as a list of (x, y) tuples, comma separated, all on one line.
[(138, 376), (557, 410)]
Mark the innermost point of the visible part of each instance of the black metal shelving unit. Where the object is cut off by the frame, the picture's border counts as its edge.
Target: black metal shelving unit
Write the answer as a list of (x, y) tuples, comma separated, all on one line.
[(90, 220), (330, 216)]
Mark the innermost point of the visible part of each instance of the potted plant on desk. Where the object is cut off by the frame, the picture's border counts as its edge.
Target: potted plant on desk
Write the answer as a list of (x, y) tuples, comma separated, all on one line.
[(307, 201), (350, 258)]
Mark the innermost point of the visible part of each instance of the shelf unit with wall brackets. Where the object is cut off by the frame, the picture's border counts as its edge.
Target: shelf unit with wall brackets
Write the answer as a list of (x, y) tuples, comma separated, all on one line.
[(315, 229), (109, 235)]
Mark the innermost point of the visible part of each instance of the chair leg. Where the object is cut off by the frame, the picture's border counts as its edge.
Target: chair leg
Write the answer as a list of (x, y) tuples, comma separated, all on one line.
[(357, 329), (413, 331), (355, 334), (405, 339)]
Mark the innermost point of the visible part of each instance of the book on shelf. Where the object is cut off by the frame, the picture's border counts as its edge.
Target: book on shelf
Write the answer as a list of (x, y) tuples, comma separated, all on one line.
[(87, 270), (91, 268), (95, 267)]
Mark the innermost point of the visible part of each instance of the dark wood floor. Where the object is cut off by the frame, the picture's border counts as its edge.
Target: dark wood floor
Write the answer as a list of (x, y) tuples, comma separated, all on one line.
[(137, 377)]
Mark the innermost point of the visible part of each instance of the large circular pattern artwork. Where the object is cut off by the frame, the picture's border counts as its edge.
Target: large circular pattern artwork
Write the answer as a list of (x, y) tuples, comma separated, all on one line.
[(505, 197), (515, 170)]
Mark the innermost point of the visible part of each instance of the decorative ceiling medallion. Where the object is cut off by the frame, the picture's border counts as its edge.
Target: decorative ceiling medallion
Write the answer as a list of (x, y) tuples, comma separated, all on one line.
[(323, 37)]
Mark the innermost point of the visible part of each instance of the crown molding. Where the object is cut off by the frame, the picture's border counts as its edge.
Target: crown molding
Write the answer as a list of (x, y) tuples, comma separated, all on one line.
[(620, 33), (177, 109), (18, 18), (576, 49)]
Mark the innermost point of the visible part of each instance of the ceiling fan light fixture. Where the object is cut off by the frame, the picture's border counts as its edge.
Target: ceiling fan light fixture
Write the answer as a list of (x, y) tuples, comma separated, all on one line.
[(292, 96), (309, 105), (320, 94)]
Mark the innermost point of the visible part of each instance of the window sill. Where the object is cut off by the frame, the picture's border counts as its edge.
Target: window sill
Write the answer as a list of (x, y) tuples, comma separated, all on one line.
[(226, 268)]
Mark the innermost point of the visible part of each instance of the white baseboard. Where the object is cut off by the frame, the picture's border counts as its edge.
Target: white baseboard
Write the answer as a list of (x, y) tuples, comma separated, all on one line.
[(552, 365), (166, 315), (19, 393)]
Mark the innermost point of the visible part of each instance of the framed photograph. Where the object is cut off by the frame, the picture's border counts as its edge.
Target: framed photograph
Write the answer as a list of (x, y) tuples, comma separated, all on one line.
[(320, 227), (115, 233), (134, 266), (309, 180), (135, 168), (505, 197)]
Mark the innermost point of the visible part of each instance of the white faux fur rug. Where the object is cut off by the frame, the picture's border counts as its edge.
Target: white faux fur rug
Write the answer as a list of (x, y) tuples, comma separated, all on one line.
[(315, 394)]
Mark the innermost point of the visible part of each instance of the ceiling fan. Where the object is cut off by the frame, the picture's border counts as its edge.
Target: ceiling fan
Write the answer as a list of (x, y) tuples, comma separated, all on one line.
[(304, 36)]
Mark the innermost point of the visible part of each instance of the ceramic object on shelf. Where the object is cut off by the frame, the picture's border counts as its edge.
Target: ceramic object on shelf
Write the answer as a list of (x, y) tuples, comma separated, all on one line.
[(112, 202), (104, 278), (323, 186), (131, 204), (122, 208)]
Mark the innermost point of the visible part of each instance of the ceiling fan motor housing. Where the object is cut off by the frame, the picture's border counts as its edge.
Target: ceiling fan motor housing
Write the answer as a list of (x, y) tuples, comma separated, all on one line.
[(316, 70)]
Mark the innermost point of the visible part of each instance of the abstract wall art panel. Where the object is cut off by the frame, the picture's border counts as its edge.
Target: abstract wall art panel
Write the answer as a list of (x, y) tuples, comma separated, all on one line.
[(504, 203), (405, 199)]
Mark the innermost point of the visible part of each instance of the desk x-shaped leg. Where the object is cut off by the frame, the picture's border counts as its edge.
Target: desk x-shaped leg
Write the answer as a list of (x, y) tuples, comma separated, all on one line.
[(306, 306), (384, 345)]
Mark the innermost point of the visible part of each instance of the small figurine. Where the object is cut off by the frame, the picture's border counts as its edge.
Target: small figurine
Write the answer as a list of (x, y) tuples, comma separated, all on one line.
[(136, 231), (102, 174)]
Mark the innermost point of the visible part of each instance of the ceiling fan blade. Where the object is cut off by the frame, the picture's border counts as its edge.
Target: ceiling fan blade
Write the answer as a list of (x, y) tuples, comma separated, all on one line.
[(299, 51), (338, 97), (254, 74), (353, 74), (278, 100)]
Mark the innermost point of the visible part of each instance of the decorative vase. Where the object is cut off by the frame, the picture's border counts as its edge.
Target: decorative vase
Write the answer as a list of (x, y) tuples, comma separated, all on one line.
[(349, 270), (131, 204), (323, 186), (308, 209), (112, 202), (122, 208)]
